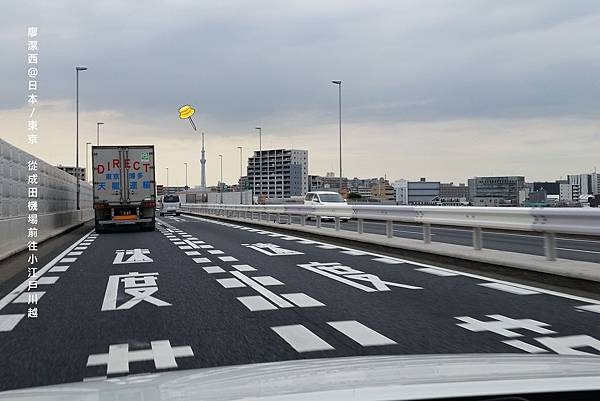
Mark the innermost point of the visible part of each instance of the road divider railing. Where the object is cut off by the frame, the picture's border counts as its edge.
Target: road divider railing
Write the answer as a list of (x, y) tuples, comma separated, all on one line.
[(547, 222)]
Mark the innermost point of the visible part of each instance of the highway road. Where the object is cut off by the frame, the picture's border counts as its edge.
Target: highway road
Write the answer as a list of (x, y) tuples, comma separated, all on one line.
[(202, 293), (575, 249)]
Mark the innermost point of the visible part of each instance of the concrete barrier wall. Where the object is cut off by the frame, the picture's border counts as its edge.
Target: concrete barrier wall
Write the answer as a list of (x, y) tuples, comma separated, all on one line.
[(57, 197)]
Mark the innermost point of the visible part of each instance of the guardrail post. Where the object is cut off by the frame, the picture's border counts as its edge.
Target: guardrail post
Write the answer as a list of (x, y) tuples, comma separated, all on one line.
[(477, 238), (360, 226), (550, 245), (389, 228), (278, 218), (303, 220), (318, 221), (268, 217), (337, 223), (427, 233), (289, 216)]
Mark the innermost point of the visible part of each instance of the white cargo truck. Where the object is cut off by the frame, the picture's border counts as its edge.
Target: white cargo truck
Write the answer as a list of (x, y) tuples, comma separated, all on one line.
[(124, 186)]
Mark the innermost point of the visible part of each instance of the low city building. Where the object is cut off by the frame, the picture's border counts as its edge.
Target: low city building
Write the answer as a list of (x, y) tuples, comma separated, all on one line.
[(496, 191)]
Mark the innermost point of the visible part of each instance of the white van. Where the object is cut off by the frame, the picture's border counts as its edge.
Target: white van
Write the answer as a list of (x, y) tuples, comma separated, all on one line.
[(170, 204), (328, 198)]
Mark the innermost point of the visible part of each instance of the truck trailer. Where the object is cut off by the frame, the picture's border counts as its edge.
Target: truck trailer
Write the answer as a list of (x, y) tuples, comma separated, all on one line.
[(124, 186)]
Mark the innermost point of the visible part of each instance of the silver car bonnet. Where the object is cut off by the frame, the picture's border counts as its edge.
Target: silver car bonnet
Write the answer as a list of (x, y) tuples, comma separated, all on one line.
[(351, 378)]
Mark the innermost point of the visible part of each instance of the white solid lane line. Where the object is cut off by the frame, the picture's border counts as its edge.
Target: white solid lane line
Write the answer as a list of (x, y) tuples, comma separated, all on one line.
[(301, 338), (590, 308), (437, 272), (578, 250), (508, 288), (360, 333)]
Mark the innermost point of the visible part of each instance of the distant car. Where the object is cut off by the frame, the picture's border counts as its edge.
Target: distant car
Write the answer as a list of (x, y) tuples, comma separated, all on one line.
[(170, 204), (328, 198)]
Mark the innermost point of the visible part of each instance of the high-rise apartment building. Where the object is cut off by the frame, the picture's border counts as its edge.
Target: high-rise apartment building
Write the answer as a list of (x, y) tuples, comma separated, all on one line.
[(278, 173)]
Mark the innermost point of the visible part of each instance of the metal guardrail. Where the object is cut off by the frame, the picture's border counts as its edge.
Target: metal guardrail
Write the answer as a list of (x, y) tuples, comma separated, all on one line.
[(547, 222)]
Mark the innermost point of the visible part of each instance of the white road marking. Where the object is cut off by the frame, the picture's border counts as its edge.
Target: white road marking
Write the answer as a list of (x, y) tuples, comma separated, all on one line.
[(179, 243), (215, 252), (301, 338), (74, 253), (347, 275), (25, 284), (8, 322), (307, 242), (302, 300), (47, 280), (230, 282), (354, 253), (276, 299), (464, 274), (201, 260), (192, 253), (68, 260), (532, 349), (119, 356), (81, 248), (25, 297), (567, 345), (195, 241), (360, 333), (508, 288), (577, 250), (327, 246), (591, 308), (227, 258), (437, 272), (270, 249), (244, 268), (140, 285), (58, 269), (256, 303), (184, 247), (137, 255), (502, 324), (205, 246), (267, 280), (213, 269), (389, 261)]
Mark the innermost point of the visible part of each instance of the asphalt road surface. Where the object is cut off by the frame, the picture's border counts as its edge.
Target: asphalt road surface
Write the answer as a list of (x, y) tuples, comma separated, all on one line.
[(202, 293), (567, 248)]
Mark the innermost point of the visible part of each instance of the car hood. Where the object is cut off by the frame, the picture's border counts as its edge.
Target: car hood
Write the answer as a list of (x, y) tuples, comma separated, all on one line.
[(352, 378)]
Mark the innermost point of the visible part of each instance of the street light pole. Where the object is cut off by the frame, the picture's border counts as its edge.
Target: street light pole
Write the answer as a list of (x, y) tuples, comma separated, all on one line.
[(260, 159), (339, 84), (186, 176), (221, 181), (167, 177), (241, 195), (77, 69), (86, 159), (98, 124)]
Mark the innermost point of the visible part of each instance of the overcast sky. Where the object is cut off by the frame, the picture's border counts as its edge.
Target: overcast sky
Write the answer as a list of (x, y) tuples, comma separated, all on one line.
[(438, 89)]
